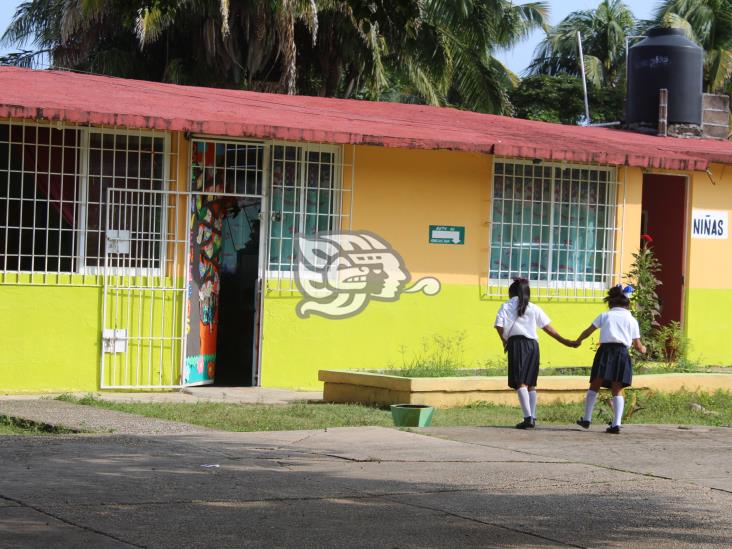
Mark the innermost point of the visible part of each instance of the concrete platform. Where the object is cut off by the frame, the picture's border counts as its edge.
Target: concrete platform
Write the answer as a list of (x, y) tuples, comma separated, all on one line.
[(652, 486), (443, 392)]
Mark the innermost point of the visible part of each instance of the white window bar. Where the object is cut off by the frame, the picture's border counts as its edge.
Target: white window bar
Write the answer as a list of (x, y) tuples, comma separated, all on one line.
[(309, 194), (556, 225), (53, 181)]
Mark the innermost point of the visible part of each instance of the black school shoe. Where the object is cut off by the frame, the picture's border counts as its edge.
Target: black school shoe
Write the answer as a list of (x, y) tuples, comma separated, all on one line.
[(613, 430), (583, 423), (527, 423)]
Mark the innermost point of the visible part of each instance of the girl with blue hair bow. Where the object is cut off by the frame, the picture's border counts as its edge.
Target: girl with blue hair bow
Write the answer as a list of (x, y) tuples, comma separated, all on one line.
[(612, 367)]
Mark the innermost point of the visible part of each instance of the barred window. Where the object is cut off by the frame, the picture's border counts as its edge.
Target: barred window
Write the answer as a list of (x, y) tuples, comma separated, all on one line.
[(227, 167), (54, 193), (555, 224), (131, 162), (306, 198), (38, 196)]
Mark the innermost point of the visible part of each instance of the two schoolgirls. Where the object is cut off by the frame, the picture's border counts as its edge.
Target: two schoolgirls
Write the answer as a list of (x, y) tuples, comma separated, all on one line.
[(516, 324)]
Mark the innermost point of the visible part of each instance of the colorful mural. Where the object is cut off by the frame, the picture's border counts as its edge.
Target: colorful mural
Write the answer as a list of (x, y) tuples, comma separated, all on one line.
[(207, 215)]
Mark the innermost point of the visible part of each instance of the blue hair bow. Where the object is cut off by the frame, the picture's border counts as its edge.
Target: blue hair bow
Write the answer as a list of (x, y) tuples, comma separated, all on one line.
[(628, 290)]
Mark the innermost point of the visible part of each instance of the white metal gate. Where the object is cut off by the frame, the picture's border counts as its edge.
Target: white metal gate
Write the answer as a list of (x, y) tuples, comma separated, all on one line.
[(145, 282)]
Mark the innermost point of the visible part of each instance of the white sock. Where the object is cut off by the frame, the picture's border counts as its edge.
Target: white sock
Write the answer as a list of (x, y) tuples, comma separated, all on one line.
[(618, 407), (532, 403), (590, 399), (523, 396)]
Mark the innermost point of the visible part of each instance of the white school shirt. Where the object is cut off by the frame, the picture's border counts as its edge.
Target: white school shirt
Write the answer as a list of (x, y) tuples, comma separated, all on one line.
[(514, 325), (617, 326)]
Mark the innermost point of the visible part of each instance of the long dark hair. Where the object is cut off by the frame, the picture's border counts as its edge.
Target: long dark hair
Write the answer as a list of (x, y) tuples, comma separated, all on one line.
[(520, 289), (616, 298)]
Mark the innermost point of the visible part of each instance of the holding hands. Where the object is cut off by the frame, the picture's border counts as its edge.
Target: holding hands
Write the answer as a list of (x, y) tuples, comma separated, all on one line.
[(563, 340)]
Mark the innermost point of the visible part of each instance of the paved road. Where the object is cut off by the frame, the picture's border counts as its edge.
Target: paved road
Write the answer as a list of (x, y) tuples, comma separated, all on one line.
[(370, 487)]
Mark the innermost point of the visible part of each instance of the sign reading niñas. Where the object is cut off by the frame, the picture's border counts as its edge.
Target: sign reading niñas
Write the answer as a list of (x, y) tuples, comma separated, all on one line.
[(709, 224)]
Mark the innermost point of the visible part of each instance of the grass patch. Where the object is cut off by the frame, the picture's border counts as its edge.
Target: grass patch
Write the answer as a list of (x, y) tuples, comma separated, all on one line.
[(645, 368), (681, 408), (249, 417), (16, 426)]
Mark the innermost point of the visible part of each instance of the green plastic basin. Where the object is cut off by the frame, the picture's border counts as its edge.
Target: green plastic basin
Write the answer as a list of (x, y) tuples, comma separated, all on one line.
[(411, 415)]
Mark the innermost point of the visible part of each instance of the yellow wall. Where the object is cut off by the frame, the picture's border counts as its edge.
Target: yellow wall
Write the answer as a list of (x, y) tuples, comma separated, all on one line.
[(709, 280), (52, 333), (630, 198), (710, 264), (398, 194)]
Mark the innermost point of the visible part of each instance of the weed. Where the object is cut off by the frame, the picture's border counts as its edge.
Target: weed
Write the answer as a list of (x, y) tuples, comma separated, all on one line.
[(16, 426), (440, 356)]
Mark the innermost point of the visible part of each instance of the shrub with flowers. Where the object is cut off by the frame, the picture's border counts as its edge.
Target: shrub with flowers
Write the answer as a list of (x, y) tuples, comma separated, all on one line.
[(646, 307)]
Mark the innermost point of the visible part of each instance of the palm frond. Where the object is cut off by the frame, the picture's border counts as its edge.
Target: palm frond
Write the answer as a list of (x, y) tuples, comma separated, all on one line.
[(720, 70), (150, 24), (423, 82)]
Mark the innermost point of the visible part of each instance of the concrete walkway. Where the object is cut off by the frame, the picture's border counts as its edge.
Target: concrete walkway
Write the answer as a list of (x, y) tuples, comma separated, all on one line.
[(46, 410), (90, 419), (241, 395), (652, 486)]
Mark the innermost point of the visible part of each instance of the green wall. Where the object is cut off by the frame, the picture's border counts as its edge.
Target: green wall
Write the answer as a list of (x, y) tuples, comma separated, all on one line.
[(294, 349), (51, 335), (51, 338), (707, 324)]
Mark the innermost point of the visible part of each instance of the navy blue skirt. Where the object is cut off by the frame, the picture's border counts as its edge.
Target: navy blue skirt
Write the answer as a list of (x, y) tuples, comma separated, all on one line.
[(523, 361), (612, 363)]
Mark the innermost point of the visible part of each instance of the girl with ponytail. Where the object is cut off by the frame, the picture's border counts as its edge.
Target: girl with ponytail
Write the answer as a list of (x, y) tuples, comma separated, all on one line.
[(612, 367), (516, 324)]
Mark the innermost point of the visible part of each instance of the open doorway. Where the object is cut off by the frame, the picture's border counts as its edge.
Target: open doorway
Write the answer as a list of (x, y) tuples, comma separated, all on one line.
[(222, 318), (237, 294), (664, 220), (224, 272)]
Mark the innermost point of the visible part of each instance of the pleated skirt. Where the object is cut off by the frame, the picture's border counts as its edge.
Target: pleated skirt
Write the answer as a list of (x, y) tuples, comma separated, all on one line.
[(523, 361), (613, 364)]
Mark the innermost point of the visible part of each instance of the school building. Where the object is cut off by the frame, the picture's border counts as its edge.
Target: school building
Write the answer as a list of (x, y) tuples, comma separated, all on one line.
[(150, 233)]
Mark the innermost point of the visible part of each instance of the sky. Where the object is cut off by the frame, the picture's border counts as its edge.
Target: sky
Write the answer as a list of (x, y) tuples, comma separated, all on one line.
[(517, 59)]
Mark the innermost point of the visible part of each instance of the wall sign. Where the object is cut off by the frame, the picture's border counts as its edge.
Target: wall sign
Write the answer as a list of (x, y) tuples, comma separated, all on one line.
[(447, 234), (710, 224)]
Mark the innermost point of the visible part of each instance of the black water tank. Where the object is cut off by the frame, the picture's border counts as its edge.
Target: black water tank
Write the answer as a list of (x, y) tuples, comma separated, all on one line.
[(665, 59)]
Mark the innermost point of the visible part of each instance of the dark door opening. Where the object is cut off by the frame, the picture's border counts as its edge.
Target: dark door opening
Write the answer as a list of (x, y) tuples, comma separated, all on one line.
[(235, 341), (664, 220)]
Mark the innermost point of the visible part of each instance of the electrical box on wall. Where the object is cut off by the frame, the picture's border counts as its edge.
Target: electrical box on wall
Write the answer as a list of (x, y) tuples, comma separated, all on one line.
[(114, 341), (118, 241)]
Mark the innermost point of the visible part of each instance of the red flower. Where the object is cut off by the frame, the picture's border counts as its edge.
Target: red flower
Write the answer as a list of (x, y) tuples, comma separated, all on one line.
[(647, 238)]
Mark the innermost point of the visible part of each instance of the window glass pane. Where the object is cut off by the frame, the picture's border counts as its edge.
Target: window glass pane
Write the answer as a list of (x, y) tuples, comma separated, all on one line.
[(305, 199), (551, 223)]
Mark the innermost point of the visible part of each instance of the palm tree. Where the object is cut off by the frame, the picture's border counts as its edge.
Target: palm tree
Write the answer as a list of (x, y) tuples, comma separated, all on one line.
[(198, 41), (709, 24), (441, 50), (603, 33), (465, 35)]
